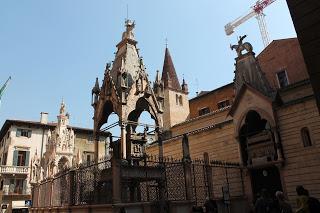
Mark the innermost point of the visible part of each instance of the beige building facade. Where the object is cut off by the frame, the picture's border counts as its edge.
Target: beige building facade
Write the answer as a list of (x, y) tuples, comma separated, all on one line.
[(24, 141)]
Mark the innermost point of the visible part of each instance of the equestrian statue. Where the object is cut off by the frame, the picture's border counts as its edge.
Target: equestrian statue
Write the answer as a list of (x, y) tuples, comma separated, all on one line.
[(241, 46)]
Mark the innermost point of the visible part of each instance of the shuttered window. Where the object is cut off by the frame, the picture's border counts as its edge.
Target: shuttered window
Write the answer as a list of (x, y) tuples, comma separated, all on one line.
[(23, 133), (21, 158), (15, 158)]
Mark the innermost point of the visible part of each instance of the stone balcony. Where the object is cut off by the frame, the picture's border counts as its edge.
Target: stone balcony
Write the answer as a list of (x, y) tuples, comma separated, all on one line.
[(14, 169)]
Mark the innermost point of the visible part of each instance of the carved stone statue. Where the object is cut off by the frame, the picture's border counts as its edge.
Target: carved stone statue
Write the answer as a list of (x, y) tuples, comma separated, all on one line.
[(62, 108), (129, 30), (241, 46)]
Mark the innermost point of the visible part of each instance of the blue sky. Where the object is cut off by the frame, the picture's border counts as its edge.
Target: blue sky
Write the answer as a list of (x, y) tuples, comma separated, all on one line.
[(56, 49)]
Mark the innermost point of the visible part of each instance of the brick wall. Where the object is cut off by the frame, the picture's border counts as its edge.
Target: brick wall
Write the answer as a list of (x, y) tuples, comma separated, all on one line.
[(218, 141), (306, 20), (283, 54), (302, 163), (211, 99)]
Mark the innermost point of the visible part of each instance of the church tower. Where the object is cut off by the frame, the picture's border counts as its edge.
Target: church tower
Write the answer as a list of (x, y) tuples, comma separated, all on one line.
[(176, 103)]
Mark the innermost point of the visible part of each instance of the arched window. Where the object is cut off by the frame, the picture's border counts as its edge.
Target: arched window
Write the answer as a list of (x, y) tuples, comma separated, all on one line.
[(305, 135), (177, 99), (180, 100)]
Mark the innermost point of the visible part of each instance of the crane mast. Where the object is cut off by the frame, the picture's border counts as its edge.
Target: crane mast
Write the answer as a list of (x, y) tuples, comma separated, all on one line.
[(257, 11)]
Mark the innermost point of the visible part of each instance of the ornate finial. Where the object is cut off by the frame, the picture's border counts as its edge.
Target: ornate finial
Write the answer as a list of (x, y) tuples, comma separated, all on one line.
[(241, 46), (62, 107), (166, 42), (128, 34), (158, 78), (184, 85), (108, 65)]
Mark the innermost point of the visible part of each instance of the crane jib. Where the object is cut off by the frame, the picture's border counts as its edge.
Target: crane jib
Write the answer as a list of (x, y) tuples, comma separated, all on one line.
[(4, 87)]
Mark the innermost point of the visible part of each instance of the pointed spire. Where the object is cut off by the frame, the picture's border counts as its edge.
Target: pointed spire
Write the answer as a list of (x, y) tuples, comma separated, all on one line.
[(169, 75), (96, 88), (158, 78), (184, 86)]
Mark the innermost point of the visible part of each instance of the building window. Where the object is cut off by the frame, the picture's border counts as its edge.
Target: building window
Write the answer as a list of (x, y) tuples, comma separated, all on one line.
[(282, 79), (23, 133), (20, 158), (305, 135), (204, 111), (90, 140), (179, 100), (223, 104), (16, 186), (89, 156)]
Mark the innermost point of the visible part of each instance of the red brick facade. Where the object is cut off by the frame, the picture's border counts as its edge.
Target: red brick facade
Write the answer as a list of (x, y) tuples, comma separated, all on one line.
[(284, 54)]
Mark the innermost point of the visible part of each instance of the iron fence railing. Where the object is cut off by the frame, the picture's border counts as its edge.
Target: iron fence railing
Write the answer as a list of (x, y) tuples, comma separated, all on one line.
[(92, 183)]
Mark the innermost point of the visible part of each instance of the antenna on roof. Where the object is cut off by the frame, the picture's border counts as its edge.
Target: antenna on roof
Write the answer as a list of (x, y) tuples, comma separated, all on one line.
[(197, 87), (127, 12)]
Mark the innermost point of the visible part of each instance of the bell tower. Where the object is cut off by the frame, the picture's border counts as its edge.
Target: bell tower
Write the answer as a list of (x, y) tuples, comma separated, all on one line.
[(176, 101)]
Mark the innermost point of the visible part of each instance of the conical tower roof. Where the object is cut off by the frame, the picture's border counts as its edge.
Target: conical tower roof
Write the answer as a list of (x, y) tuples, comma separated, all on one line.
[(169, 75)]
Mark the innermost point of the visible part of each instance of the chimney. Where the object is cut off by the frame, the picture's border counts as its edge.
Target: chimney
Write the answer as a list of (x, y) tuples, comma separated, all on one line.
[(44, 117)]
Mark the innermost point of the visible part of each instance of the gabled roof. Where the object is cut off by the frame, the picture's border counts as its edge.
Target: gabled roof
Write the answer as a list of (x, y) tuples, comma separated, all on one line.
[(169, 75), (240, 94)]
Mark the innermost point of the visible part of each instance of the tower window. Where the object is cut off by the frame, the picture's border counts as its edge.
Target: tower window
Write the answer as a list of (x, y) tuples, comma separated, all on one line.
[(180, 100), (305, 135), (204, 111), (282, 78), (223, 104)]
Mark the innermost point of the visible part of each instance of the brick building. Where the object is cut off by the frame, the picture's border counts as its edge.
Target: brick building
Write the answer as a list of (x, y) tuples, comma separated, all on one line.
[(266, 119)]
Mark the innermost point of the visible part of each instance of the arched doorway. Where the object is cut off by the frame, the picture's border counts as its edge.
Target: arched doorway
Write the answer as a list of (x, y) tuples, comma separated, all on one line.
[(63, 164), (256, 140), (265, 178), (259, 153)]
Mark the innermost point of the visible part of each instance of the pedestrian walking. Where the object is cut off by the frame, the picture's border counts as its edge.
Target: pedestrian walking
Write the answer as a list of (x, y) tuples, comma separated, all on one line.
[(263, 204), (284, 206), (210, 206), (302, 200)]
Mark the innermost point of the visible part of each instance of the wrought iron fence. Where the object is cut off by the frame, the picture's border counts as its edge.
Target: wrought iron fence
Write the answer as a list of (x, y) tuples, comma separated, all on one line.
[(92, 183), (209, 179)]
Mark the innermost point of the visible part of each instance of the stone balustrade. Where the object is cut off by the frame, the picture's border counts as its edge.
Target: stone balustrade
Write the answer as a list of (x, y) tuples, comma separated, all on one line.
[(14, 169)]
